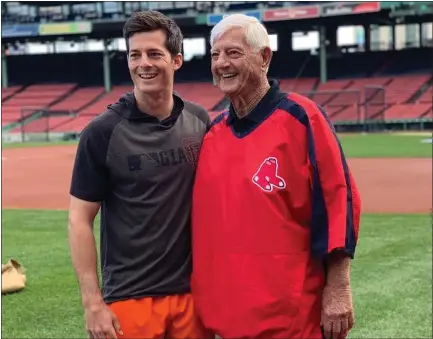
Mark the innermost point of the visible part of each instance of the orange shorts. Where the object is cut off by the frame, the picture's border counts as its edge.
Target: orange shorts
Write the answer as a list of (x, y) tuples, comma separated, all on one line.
[(171, 317)]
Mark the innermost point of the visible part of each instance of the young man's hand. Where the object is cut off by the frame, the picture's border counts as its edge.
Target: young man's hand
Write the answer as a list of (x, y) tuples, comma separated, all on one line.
[(101, 322)]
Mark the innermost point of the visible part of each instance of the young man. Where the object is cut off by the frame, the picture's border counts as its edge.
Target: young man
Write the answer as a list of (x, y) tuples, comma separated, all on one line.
[(274, 203), (136, 162)]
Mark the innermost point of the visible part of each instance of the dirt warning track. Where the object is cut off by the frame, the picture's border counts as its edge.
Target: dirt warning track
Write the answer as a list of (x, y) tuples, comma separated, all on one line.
[(39, 178)]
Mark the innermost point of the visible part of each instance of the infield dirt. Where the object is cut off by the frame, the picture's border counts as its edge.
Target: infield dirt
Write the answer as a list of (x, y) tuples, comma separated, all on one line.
[(39, 178)]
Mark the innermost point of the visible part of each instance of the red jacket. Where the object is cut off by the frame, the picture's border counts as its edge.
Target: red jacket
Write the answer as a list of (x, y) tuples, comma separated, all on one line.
[(273, 196)]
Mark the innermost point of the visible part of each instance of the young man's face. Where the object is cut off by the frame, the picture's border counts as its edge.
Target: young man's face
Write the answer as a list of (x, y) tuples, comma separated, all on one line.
[(150, 64)]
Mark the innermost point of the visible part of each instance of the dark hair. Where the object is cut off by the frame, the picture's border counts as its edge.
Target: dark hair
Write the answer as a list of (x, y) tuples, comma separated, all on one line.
[(148, 21)]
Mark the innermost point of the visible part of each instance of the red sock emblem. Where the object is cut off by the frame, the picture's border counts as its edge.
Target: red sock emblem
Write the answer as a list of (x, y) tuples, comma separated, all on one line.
[(267, 176)]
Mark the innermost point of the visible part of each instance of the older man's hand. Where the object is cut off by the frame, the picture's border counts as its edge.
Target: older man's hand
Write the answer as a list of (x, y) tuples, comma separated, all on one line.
[(337, 311)]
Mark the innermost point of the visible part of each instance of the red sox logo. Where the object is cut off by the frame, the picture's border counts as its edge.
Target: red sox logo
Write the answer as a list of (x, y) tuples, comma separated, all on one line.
[(267, 175)]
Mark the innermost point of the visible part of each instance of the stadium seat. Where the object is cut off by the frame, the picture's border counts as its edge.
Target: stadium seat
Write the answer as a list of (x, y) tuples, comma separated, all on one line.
[(101, 104), (345, 114), (299, 85), (402, 88), (33, 98), (74, 125), (407, 111), (9, 92), (78, 99), (343, 100), (204, 94), (328, 91), (427, 96)]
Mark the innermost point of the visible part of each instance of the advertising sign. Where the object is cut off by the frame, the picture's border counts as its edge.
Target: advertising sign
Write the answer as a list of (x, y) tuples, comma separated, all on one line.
[(213, 19), (337, 8), (79, 27), (291, 13), (24, 30)]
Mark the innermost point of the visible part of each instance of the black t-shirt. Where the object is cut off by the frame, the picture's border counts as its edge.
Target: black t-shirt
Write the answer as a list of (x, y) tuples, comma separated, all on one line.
[(142, 171)]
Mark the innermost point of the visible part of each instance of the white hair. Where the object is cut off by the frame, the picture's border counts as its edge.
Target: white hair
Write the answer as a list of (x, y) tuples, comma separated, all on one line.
[(255, 33)]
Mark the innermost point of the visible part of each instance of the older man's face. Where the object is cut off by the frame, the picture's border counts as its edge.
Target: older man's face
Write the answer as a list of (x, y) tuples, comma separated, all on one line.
[(235, 66)]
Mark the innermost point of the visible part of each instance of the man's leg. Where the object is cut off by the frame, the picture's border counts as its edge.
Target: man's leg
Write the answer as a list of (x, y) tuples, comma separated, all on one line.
[(142, 318), (184, 322)]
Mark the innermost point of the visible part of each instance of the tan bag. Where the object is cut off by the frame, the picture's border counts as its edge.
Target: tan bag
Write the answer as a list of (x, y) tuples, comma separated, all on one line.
[(13, 277)]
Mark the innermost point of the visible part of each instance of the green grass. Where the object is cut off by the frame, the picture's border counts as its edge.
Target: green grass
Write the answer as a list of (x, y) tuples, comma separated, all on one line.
[(391, 277), (385, 146), (354, 145)]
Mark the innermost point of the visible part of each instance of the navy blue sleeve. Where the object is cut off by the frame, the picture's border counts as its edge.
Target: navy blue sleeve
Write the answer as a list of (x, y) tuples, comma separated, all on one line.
[(336, 202), (218, 119), (90, 175)]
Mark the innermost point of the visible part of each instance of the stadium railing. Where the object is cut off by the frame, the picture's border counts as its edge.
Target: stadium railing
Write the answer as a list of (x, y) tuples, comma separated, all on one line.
[(343, 106), (374, 108), (36, 124)]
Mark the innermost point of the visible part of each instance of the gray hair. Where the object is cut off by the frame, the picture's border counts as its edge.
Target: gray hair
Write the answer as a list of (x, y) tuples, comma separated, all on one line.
[(255, 33)]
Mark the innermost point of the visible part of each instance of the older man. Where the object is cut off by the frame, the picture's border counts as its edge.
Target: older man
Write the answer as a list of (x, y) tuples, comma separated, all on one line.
[(275, 210)]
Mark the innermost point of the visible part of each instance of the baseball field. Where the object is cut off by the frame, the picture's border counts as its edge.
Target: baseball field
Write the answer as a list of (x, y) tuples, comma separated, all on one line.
[(391, 274)]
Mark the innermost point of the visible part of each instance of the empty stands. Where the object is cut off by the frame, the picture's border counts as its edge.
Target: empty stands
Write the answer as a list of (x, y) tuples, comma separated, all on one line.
[(205, 94), (348, 113), (33, 98), (91, 111), (101, 104), (42, 125), (74, 125), (400, 91), (343, 99), (402, 88), (427, 96), (330, 86), (7, 93), (79, 99), (300, 85), (72, 104), (408, 111)]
